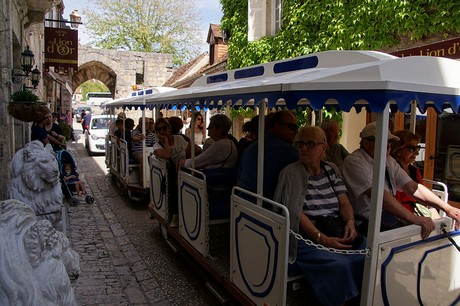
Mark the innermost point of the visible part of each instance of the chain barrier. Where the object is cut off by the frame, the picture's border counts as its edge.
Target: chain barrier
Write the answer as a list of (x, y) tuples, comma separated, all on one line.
[(299, 237)]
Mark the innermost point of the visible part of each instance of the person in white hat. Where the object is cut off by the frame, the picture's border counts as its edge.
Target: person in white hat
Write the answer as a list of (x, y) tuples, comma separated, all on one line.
[(357, 170)]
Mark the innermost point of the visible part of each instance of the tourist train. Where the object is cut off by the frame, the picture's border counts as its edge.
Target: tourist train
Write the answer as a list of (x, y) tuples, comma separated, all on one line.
[(242, 242)]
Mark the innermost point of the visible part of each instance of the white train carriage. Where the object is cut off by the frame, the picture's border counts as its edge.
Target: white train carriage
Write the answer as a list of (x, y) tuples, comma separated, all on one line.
[(253, 268)]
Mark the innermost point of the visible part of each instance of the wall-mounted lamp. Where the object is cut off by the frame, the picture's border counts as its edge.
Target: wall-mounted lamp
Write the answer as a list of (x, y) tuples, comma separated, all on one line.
[(27, 63), (75, 19)]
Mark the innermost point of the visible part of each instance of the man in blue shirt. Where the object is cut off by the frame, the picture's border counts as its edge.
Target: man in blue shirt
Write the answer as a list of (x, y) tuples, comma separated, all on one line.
[(279, 152)]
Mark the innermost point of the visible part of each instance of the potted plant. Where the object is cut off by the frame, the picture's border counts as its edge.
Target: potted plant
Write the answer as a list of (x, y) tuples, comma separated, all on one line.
[(24, 96), (24, 106)]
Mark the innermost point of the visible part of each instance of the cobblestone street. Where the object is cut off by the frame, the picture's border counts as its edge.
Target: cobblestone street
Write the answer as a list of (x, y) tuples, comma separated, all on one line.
[(124, 260)]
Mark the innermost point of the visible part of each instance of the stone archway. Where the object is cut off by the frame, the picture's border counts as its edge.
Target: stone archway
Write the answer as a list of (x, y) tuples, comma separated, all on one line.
[(119, 70), (95, 70)]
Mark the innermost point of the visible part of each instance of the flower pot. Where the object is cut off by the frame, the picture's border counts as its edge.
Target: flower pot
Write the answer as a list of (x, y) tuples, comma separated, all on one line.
[(27, 111)]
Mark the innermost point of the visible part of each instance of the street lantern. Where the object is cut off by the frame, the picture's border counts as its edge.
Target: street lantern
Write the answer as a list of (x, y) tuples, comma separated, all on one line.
[(35, 79), (75, 19), (27, 60)]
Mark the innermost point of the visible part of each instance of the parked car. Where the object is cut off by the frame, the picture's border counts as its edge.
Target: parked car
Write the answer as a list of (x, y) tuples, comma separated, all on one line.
[(96, 133), (79, 110)]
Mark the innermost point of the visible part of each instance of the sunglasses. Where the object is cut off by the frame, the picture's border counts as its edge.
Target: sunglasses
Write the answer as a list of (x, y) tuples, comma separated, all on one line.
[(199, 119), (161, 128), (309, 144), (292, 126), (413, 149)]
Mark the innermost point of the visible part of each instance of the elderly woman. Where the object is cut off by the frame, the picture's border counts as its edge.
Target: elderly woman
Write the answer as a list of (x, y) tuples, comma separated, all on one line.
[(222, 153), (405, 151), (319, 210)]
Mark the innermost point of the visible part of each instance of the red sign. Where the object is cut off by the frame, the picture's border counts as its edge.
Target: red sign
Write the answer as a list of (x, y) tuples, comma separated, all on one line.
[(448, 48), (61, 48)]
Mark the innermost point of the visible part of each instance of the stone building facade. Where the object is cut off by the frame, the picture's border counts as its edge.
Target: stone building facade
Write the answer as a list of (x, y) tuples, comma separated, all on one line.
[(22, 24)]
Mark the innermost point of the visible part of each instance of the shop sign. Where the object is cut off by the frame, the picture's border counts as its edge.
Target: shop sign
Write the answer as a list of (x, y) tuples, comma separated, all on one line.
[(448, 48), (61, 49)]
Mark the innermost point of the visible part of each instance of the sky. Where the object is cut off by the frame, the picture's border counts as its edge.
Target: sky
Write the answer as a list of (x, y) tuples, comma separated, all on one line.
[(209, 10)]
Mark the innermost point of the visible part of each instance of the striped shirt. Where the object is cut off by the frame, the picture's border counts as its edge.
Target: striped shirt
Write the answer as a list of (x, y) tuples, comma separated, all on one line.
[(321, 200)]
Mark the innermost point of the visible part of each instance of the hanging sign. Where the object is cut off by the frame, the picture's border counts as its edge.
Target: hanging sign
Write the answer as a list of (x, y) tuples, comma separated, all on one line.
[(447, 48), (61, 49)]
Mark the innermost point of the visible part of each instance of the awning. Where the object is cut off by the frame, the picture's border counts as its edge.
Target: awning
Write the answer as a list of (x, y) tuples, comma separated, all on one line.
[(340, 79)]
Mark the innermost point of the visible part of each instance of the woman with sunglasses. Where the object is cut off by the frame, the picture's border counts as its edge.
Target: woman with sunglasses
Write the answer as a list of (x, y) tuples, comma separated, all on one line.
[(316, 197), (405, 151), (200, 132), (173, 148)]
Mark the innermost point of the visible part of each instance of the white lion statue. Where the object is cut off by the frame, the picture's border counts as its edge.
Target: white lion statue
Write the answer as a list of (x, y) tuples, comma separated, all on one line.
[(36, 260), (35, 181)]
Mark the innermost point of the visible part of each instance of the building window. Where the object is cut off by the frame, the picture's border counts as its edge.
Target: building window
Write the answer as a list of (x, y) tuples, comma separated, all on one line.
[(264, 18), (277, 15)]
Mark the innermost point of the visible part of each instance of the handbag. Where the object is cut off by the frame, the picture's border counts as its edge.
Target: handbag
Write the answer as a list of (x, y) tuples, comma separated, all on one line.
[(329, 225)]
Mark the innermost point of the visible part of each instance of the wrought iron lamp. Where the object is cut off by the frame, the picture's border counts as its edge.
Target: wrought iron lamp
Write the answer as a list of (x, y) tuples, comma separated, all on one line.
[(27, 63), (75, 19)]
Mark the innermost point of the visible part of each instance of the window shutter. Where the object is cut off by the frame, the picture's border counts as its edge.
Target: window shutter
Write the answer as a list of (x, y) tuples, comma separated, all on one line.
[(256, 19)]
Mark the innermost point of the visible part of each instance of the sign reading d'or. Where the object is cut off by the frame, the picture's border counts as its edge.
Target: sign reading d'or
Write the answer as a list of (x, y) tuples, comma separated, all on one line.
[(61, 48)]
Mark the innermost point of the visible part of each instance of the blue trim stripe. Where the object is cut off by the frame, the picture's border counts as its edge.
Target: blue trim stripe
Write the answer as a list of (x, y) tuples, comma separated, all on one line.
[(249, 72), (297, 64), (193, 233)]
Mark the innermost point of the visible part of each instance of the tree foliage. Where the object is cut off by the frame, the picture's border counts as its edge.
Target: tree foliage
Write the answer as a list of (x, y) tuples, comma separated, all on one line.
[(163, 26), (92, 86), (310, 26)]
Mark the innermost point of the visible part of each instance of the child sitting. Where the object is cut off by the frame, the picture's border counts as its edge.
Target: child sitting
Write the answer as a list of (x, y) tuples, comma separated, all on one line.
[(70, 176)]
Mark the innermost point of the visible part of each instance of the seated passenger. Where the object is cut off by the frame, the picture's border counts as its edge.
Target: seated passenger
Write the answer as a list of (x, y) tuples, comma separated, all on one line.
[(222, 153), (319, 210), (279, 152), (357, 171), (335, 152), (405, 151), (172, 148), (124, 132), (113, 125), (199, 127), (137, 136), (177, 124)]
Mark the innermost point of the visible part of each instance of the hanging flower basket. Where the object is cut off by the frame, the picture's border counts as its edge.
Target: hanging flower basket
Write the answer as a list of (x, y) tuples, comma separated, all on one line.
[(25, 106), (27, 111)]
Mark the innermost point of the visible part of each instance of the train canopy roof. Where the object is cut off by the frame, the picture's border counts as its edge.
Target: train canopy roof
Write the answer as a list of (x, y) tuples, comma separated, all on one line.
[(340, 79)]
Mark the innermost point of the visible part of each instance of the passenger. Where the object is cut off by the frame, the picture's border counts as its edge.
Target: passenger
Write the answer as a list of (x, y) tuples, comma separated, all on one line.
[(250, 135), (358, 170), (172, 148), (112, 126), (118, 132), (200, 132), (222, 153), (319, 210), (71, 178), (124, 132), (177, 124), (405, 151), (137, 136), (335, 152), (279, 152)]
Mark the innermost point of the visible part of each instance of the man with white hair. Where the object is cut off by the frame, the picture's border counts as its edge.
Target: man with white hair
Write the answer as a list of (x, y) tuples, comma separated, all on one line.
[(357, 172)]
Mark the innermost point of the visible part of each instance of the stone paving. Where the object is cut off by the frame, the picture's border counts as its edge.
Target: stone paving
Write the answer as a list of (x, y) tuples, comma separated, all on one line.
[(109, 235)]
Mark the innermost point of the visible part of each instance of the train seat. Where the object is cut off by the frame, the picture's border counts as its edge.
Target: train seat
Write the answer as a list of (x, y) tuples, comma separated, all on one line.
[(220, 182)]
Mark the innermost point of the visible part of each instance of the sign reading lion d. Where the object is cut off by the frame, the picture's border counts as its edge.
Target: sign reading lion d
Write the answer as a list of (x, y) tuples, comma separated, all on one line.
[(61, 48)]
